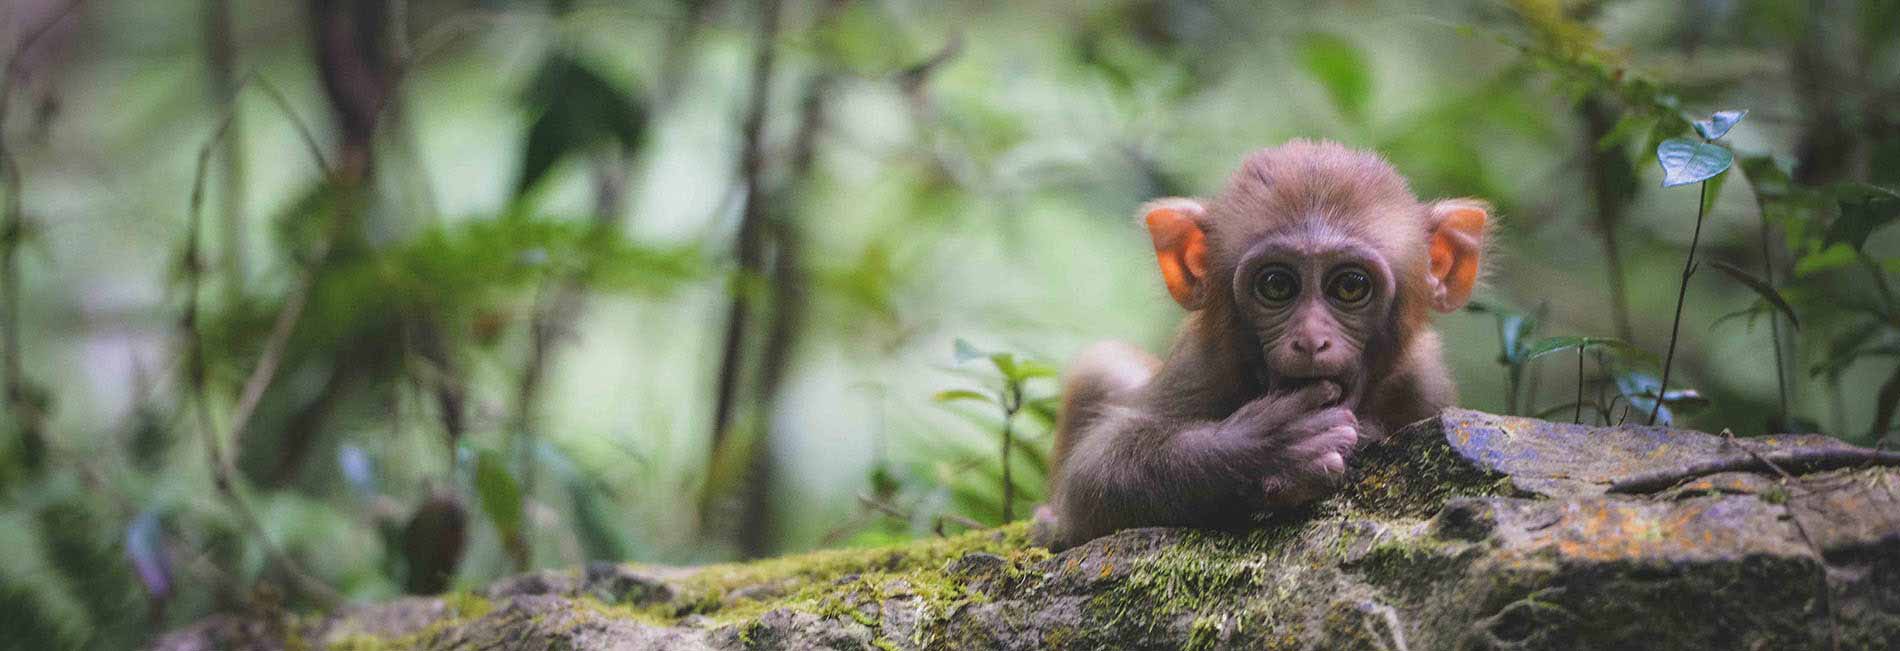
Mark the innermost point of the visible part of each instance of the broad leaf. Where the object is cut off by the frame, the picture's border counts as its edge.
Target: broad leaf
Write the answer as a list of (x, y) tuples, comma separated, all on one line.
[(576, 109), (1686, 161), (1342, 68), (1862, 213), (1718, 125), (500, 493), (1761, 287), (1835, 256)]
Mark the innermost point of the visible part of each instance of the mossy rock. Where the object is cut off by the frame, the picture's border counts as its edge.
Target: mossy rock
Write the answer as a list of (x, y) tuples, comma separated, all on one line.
[(1467, 531)]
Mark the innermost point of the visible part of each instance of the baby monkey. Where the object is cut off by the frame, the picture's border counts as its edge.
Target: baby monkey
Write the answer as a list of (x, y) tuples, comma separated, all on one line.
[(1309, 283)]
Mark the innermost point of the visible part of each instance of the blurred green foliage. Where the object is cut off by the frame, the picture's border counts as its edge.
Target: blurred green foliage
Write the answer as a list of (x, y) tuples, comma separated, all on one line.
[(490, 334)]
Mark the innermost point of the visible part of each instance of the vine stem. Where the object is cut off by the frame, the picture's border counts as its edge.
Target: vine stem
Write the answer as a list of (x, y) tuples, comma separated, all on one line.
[(1578, 416), (1682, 292), (1012, 401)]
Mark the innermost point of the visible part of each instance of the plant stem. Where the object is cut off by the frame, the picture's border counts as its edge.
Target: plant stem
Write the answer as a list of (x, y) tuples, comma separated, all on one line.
[(1774, 320), (1578, 416), (1682, 292), (1012, 400)]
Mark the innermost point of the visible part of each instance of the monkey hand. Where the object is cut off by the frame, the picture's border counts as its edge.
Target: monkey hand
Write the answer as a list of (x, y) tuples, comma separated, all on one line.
[(1312, 456)]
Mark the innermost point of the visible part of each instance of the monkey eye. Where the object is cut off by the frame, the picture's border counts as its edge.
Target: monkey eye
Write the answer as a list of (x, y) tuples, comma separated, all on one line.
[(1350, 287), (1276, 285)]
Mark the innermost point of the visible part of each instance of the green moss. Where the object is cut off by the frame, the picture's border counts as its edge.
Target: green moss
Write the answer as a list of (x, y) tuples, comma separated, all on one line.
[(841, 584)]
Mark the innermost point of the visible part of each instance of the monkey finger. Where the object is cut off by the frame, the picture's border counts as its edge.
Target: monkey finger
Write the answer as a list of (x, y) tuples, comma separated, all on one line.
[(1326, 435), (1311, 397), (1331, 463)]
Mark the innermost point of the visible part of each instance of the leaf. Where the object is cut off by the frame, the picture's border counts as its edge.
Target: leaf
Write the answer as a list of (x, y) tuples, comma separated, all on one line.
[(500, 493), (1005, 364), (1860, 217), (1515, 328), (965, 351), (1550, 345), (1026, 369), (145, 548), (1761, 287), (576, 109), (1836, 256), (1638, 386), (1686, 161), (1616, 348), (1718, 125), (1341, 68), (953, 395)]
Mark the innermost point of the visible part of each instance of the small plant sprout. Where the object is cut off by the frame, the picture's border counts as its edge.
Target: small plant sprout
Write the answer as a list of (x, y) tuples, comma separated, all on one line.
[(1007, 396), (1514, 338), (1685, 161), (1629, 369)]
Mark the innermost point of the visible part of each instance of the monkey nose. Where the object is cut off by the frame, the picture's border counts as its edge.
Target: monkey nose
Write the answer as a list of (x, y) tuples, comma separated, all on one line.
[(1311, 345)]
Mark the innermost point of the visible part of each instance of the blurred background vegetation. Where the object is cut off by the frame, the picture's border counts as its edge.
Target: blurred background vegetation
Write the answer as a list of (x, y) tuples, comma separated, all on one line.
[(313, 302)]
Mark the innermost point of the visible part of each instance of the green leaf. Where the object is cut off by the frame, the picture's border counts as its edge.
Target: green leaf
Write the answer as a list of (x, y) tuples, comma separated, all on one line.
[(1005, 364), (953, 395), (1836, 256), (1761, 287), (1862, 215), (1718, 125), (500, 493), (575, 110), (1342, 68), (1029, 368), (1686, 161)]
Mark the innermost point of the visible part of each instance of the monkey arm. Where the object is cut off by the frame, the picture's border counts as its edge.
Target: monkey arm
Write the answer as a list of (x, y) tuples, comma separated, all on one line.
[(1135, 470)]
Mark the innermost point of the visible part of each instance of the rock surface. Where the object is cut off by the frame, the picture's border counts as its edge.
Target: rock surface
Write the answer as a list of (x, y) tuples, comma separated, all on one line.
[(1469, 531)]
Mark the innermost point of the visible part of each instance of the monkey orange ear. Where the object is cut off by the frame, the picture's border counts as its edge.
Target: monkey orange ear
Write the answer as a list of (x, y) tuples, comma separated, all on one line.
[(1456, 242), (1180, 246)]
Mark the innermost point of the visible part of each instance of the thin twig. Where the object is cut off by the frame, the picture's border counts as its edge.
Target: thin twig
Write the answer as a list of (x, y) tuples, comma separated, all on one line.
[(1774, 319), (12, 232), (1682, 293), (287, 316), (749, 245), (1578, 416), (1806, 460), (224, 474)]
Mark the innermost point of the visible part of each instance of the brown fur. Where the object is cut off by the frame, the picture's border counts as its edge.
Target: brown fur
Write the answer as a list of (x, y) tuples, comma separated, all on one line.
[(1193, 440)]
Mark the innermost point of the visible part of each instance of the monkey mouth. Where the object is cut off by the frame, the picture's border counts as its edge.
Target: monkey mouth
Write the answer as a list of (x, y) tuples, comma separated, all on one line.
[(1348, 385)]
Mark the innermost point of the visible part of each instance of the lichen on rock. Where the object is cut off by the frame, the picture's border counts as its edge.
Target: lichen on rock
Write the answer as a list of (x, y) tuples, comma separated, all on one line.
[(1466, 531)]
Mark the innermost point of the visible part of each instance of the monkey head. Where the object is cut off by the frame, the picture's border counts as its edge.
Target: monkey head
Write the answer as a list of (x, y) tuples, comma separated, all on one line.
[(1317, 263)]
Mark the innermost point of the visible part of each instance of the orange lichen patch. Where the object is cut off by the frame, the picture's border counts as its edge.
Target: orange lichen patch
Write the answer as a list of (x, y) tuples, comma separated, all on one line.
[(1734, 483), (1602, 530)]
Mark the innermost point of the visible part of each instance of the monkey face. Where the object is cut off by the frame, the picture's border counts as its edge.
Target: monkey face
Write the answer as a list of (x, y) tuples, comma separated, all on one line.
[(1313, 298)]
